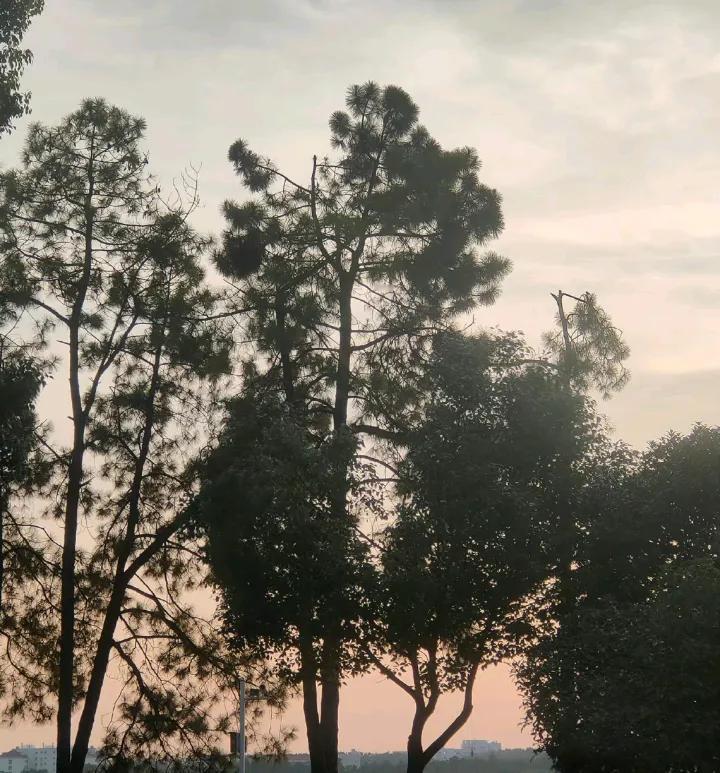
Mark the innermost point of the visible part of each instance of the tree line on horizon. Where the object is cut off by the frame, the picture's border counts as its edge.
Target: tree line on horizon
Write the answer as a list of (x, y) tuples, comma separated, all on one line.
[(297, 416)]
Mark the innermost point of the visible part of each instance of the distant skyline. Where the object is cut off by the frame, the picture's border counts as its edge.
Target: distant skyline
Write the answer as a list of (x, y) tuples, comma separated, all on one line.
[(597, 122)]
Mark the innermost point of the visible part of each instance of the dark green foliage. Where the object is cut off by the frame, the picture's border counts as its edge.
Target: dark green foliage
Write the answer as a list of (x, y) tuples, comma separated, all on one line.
[(20, 382), (474, 536), (91, 250), (647, 680), (20, 469), (15, 18), (643, 638), (394, 220), (348, 274), (478, 486), (288, 567), (240, 256)]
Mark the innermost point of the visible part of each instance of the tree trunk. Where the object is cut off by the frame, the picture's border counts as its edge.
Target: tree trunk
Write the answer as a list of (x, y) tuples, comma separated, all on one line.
[(330, 705), (418, 757), (342, 385), (97, 679), (416, 761), (66, 660), (120, 582), (310, 710), (3, 505)]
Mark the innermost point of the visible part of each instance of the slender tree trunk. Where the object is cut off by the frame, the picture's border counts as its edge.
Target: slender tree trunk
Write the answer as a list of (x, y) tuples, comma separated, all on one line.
[(66, 660), (322, 727), (415, 762), (117, 596), (328, 723), (419, 757), (97, 678), (415, 754), (310, 708), (342, 386), (329, 714), (3, 505), (567, 602)]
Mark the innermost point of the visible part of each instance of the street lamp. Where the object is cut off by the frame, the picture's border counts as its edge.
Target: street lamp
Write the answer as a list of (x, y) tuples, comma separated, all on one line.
[(237, 740)]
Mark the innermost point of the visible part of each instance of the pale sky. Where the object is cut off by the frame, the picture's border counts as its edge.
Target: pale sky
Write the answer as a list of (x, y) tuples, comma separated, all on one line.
[(597, 122)]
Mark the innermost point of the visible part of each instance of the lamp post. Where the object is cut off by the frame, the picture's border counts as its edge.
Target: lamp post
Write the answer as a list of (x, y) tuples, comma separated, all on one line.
[(241, 734), (237, 742)]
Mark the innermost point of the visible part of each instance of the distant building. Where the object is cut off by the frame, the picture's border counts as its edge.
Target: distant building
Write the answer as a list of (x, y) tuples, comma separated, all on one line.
[(40, 758), (479, 748), (13, 762)]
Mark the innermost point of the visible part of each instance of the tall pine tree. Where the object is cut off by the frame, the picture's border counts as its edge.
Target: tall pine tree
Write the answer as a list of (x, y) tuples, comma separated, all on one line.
[(90, 249), (348, 274)]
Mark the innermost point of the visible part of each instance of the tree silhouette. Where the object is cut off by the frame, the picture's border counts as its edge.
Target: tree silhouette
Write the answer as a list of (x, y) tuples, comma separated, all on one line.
[(15, 18), (347, 276), (91, 249)]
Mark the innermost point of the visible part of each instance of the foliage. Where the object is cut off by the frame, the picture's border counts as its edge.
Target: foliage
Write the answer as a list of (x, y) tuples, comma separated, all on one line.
[(589, 349), (642, 639), (15, 18), (647, 679), (378, 247), (473, 537), (288, 568), (346, 277), (20, 382), (92, 250)]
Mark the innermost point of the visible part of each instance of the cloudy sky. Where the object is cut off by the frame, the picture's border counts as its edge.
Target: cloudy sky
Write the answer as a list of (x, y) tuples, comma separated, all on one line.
[(598, 123)]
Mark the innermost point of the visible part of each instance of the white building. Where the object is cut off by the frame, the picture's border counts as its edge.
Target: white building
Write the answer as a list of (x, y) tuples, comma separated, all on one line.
[(40, 758), (12, 762), (479, 748)]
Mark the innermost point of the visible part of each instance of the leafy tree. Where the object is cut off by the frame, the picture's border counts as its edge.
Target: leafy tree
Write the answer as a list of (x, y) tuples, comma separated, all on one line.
[(347, 277), (20, 376), (643, 636), (589, 353), (15, 17), (474, 537), (646, 679), (91, 251), (289, 568), (20, 381)]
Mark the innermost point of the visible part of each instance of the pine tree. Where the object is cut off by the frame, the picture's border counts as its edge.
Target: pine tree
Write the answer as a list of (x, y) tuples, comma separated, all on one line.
[(347, 276), (90, 248)]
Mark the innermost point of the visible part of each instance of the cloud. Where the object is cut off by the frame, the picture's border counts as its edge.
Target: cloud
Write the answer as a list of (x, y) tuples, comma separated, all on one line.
[(670, 401), (698, 296)]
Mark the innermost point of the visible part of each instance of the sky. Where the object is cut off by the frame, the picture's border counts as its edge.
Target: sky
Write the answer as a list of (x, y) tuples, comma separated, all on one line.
[(597, 122)]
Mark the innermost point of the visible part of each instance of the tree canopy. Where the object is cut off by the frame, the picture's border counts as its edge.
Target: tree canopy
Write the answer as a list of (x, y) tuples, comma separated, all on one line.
[(474, 535), (345, 278), (15, 18), (91, 249), (642, 638)]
